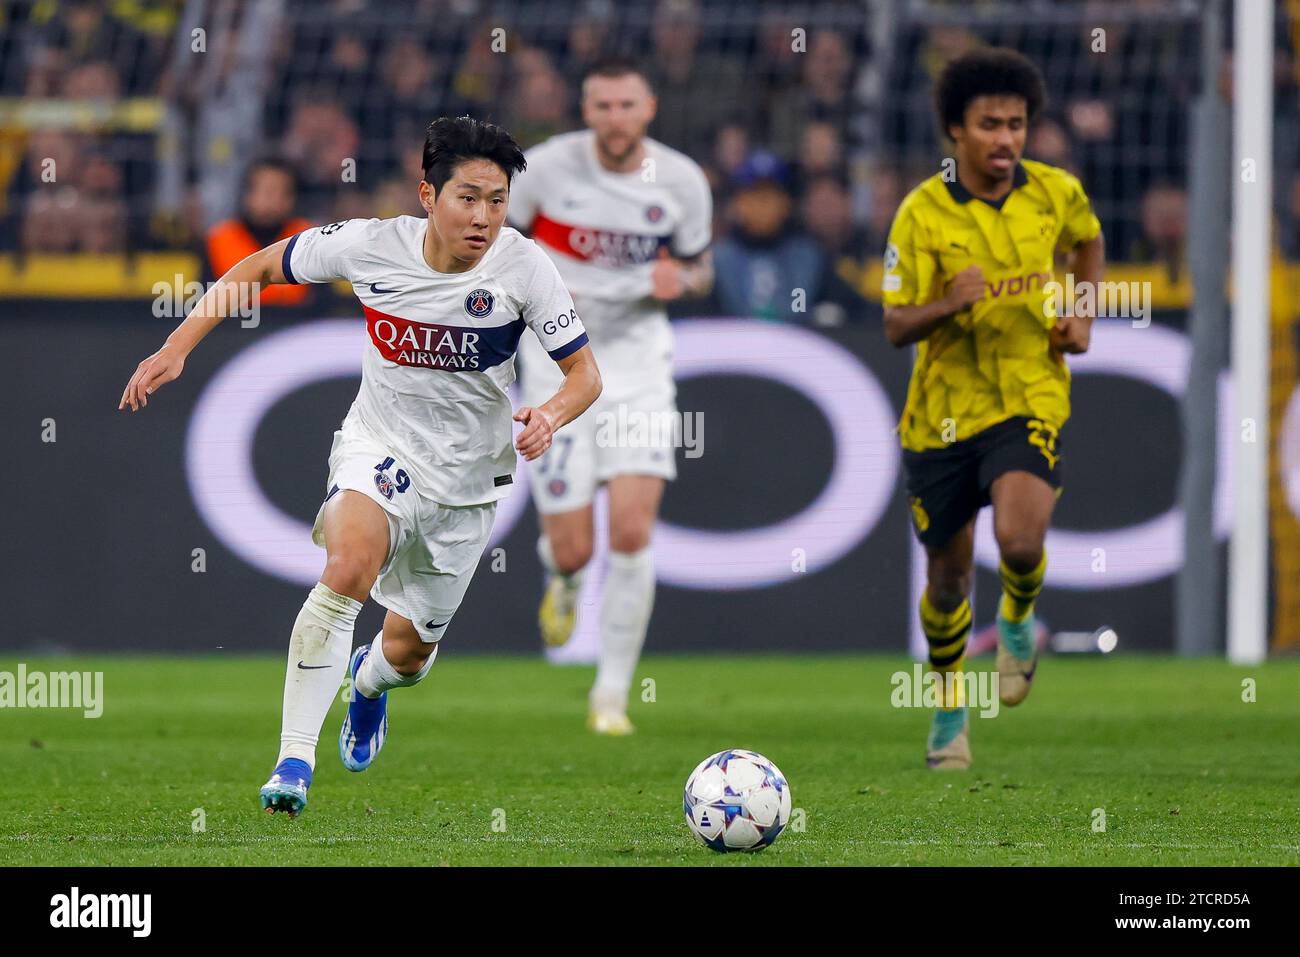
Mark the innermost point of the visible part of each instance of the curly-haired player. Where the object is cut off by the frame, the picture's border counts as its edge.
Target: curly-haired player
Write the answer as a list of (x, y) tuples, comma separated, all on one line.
[(968, 274)]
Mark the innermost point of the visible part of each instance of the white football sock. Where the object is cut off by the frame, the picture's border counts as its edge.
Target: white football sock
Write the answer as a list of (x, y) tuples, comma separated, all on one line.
[(376, 675), (573, 580), (624, 616), (319, 649)]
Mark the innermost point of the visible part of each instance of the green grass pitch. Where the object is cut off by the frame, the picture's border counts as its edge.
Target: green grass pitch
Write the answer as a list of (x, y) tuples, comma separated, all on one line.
[(1186, 772)]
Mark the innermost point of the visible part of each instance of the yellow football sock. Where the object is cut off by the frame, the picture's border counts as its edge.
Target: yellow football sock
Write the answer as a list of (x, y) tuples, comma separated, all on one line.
[(1020, 590), (946, 634)]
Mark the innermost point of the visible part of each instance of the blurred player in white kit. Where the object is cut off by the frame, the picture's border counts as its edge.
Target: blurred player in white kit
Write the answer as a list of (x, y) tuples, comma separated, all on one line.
[(627, 222)]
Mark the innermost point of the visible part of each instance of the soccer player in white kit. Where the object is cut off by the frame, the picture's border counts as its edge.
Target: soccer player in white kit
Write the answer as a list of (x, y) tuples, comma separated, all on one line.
[(628, 222), (424, 453)]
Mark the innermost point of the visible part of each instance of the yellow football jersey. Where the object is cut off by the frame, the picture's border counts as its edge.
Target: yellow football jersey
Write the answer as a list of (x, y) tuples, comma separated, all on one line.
[(991, 361)]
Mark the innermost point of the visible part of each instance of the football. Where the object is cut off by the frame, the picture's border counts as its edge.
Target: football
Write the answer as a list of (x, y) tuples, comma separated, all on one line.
[(737, 800)]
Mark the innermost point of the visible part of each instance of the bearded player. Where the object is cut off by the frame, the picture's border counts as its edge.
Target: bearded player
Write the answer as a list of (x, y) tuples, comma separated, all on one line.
[(424, 454), (967, 268), (627, 221)]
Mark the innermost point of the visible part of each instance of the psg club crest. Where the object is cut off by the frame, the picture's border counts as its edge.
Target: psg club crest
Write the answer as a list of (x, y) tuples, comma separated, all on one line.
[(479, 303), (384, 484), (557, 487), (654, 213)]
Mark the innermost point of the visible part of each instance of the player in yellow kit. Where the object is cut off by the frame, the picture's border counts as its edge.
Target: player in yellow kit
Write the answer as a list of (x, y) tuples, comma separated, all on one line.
[(968, 279)]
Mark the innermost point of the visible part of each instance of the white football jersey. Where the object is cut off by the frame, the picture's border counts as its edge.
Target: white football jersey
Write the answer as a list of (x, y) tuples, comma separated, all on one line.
[(442, 345), (603, 231)]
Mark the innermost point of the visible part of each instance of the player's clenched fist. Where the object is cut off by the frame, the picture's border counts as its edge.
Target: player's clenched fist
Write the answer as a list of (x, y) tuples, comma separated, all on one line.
[(666, 277), (1071, 334), (538, 431), (966, 288), (162, 367)]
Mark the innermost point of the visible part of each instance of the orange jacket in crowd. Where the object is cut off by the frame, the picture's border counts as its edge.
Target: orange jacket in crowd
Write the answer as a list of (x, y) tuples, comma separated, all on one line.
[(231, 241)]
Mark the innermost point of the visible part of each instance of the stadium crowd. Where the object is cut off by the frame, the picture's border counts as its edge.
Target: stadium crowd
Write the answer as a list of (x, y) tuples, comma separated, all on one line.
[(809, 136)]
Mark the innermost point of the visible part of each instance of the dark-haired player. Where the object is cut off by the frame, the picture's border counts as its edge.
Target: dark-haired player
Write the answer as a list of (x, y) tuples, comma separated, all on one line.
[(424, 453), (627, 221), (968, 260)]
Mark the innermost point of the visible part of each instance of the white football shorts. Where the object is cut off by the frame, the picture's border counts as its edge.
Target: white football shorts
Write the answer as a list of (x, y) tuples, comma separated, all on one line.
[(433, 549), (629, 431)]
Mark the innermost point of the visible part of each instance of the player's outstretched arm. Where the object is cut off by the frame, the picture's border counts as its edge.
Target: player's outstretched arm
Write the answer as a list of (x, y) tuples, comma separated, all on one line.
[(580, 388), (905, 325), (228, 295)]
